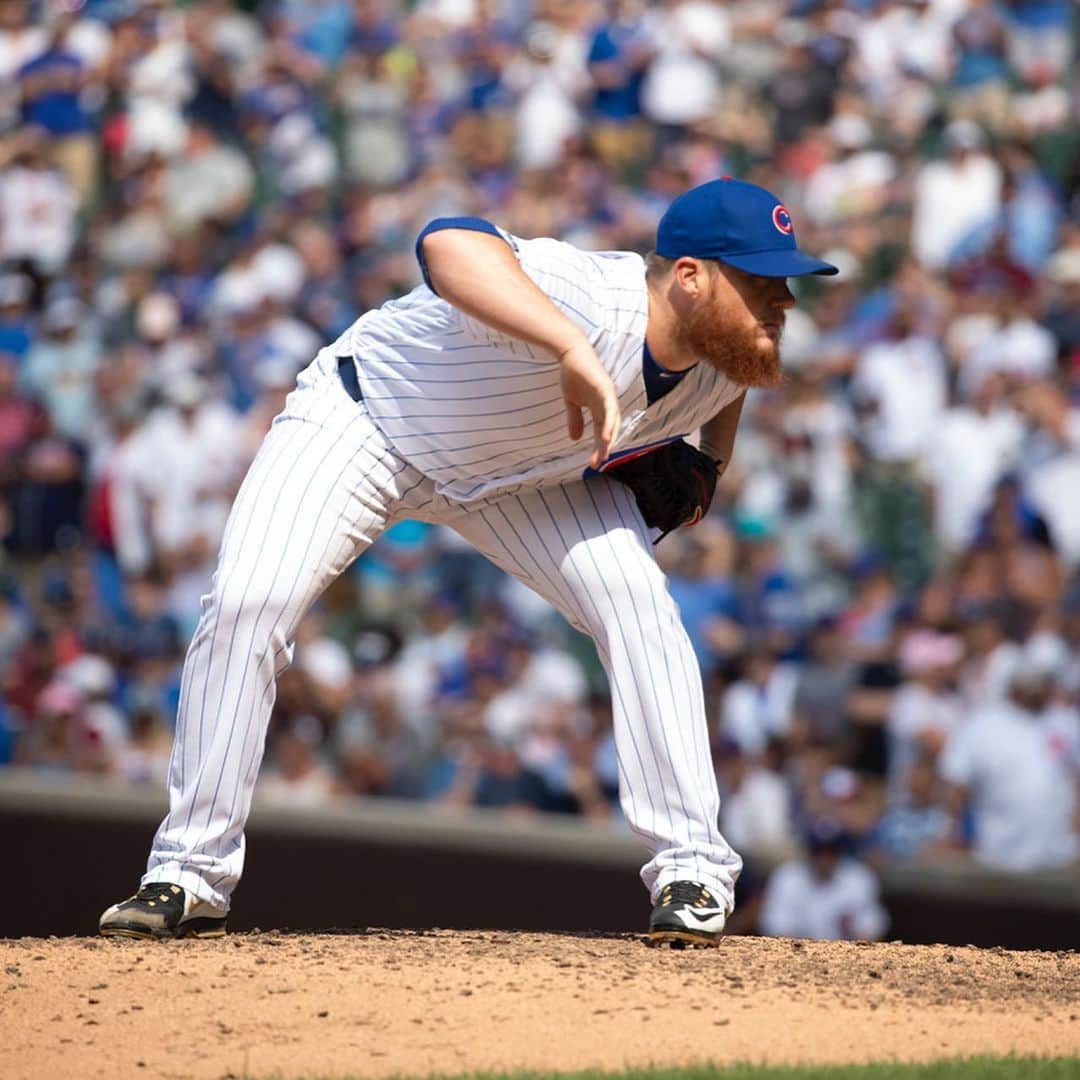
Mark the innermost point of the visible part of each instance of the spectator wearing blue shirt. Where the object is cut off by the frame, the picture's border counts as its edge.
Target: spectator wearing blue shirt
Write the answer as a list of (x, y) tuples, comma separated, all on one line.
[(619, 53), (486, 48), (320, 28), (917, 825), (373, 30), (769, 604), (16, 323), (980, 72), (51, 87), (702, 586), (1039, 33)]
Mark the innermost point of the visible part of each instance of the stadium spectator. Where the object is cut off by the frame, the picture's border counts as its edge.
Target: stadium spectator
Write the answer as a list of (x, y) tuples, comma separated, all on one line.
[(755, 809), (194, 199), (758, 706), (925, 709), (57, 96), (954, 195), (619, 54), (38, 223), (297, 776), (16, 324), (61, 366), (828, 895), (1018, 763), (915, 825)]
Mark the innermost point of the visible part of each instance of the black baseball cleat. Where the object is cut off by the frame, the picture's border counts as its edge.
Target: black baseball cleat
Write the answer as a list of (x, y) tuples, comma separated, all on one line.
[(162, 910), (687, 914)]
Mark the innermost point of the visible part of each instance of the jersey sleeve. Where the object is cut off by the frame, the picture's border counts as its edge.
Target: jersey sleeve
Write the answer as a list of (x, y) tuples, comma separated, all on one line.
[(474, 224), (571, 278)]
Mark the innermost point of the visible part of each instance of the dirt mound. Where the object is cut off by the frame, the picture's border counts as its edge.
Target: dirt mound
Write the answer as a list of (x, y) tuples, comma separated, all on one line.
[(382, 1002)]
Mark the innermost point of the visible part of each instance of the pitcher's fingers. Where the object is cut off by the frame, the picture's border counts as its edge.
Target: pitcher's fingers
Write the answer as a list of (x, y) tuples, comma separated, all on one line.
[(606, 427)]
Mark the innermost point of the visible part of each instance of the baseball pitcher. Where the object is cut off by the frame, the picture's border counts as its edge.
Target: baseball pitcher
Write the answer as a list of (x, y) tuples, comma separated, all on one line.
[(466, 402)]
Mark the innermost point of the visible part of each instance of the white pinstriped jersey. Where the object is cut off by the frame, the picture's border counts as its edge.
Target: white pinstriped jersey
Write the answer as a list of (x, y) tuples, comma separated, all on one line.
[(482, 413), (465, 427)]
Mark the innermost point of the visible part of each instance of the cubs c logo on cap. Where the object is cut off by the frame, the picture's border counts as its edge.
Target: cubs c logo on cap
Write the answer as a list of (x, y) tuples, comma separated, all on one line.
[(782, 219)]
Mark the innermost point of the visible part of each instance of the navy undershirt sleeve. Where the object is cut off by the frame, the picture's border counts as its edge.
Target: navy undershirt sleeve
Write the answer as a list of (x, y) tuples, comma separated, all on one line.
[(658, 381), (476, 224)]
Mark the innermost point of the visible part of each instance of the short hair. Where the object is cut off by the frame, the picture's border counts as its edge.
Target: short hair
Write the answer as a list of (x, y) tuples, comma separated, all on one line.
[(657, 266)]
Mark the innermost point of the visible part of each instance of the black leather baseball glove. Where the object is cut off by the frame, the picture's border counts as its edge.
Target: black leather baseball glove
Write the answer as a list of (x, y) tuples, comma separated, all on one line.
[(673, 484)]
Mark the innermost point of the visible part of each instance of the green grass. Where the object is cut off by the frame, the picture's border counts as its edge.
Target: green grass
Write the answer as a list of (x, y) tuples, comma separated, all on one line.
[(979, 1068)]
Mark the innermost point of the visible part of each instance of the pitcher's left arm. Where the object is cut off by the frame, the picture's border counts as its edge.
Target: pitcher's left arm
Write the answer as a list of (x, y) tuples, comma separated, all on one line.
[(718, 434)]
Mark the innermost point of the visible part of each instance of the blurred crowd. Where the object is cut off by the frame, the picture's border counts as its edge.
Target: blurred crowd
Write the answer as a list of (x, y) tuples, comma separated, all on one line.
[(885, 599)]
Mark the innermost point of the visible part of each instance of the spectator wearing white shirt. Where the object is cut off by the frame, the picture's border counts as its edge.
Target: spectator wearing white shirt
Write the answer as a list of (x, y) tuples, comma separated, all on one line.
[(758, 706), (38, 208), (682, 83), (1041, 104), (828, 896), (854, 185), (991, 656), (184, 465), (954, 196), (973, 445), (806, 486), (1019, 348), (1052, 464), (816, 439), (550, 80), (900, 390), (900, 41), (972, 321), (117, 510), (297, 775), (925, 710), (755, 803), (158, 80), (1017, 764), (539, 684)]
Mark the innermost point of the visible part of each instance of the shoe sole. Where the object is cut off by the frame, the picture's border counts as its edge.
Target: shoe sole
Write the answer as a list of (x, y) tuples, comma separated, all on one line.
[(196, 928), (679, 939)]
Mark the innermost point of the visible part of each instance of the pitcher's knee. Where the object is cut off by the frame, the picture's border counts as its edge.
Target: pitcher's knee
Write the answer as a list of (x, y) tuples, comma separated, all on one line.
[(249, 608)]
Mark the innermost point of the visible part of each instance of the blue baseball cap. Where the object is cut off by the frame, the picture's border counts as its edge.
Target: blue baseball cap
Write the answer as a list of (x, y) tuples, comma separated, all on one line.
[(736, 223)]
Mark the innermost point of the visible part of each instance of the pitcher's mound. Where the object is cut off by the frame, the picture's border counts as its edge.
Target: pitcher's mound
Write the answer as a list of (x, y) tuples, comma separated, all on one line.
[(375, 1003)]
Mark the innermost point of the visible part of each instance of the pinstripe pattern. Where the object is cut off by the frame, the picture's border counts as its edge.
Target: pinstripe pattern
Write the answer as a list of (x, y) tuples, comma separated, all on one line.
[(584, 548), (481, 436), (324, 464), (463, 426)]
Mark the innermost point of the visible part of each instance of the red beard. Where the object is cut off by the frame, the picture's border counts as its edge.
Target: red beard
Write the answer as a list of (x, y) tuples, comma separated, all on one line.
[(737, 352)]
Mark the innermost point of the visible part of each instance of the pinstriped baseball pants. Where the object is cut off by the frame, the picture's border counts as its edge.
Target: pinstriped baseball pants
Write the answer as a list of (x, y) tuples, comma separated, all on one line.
[(323, 486)]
